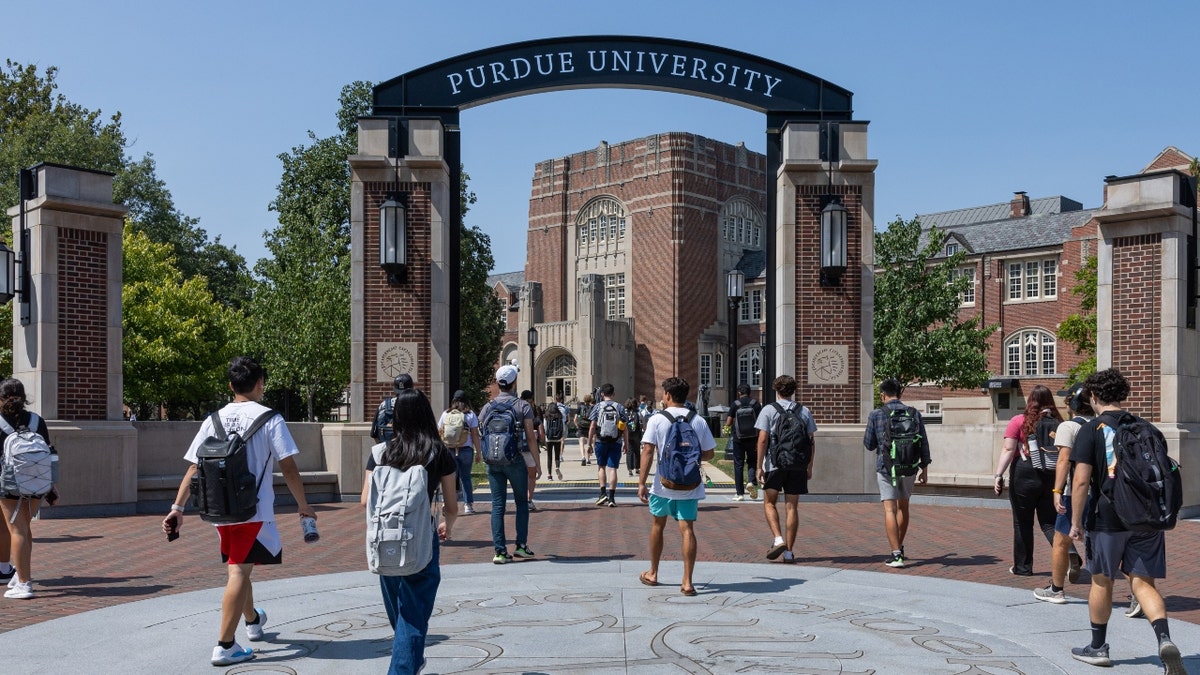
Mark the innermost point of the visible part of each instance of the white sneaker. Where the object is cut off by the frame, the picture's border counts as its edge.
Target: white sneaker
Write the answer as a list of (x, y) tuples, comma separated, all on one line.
[(21, 590), (254, 631), (468, 510), (738, 498), (228, 657), (13, 580)]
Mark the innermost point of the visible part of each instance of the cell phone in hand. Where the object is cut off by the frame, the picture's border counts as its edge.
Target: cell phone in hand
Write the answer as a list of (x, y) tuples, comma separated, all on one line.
[(172, 535)]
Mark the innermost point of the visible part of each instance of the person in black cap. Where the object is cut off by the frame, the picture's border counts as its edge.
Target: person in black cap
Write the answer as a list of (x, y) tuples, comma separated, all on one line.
[(459, 428), (381, 429)]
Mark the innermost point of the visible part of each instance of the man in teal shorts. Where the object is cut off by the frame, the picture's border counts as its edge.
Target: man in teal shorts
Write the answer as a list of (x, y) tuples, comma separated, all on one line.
[(679, 504)]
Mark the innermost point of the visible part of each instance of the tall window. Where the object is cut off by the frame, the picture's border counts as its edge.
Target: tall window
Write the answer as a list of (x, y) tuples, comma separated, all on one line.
[(1033, 279), (718, 376), (741, 224), (752, 305), (750, 367), (614, 296), (967, 297), (706, 366), (601, 225), (1031, 352)]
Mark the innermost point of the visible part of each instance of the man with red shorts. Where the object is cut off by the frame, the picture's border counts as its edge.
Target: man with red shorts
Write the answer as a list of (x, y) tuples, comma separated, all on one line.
[(254, 541)]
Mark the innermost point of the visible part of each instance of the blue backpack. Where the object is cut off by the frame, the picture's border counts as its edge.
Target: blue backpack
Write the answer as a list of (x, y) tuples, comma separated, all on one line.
[(679, 458), (500, 437)]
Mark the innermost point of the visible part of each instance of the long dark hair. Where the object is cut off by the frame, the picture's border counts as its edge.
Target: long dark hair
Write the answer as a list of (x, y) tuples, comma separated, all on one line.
[(416, 437), (1040, 399), (12, 397)]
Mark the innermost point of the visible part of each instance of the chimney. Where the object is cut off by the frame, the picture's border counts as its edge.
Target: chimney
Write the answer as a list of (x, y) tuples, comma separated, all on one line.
[(1019, 206)]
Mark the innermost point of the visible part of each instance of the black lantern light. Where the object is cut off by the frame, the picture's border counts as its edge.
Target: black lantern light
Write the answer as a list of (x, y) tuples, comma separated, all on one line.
[(735, 285), (532, 338), (393, 231), (8, 266), (833, 242)]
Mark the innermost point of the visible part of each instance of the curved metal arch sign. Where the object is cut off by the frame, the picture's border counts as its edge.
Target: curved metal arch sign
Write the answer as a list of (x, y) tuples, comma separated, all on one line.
[(628, 62)]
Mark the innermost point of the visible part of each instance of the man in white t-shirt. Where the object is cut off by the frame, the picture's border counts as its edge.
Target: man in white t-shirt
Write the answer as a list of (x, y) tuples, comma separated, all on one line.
[(791, 482), (254, 541), (682, 505), (1064, 559)]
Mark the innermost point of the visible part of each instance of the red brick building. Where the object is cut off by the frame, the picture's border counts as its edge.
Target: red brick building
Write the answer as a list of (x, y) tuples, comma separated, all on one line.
[(629, 246)]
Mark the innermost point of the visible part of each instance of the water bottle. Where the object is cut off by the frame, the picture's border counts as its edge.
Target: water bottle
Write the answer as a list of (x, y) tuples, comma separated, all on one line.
[(309, 525)]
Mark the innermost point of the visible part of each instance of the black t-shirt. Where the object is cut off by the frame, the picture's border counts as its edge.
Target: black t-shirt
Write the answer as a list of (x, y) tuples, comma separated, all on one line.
[(1093, 446), (23, 421), (442, 464)]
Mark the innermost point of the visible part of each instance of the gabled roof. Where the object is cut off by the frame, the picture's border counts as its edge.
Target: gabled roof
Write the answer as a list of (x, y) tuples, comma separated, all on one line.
[(1170, 158), (513, 281), (982, 214), (753, 263), (1040, 230)]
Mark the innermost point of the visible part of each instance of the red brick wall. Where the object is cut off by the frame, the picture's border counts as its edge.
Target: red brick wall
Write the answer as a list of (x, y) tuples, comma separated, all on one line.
[(82, 324), (396, 313), (1136, 322), (672, 287), (828, 315)]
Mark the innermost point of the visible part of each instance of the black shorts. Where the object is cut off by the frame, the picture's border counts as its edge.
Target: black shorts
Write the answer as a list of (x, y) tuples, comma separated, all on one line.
[(787, 482)]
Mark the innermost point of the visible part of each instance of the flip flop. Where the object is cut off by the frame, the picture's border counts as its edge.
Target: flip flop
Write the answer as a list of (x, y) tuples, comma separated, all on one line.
[(687, 591), (642, 578)]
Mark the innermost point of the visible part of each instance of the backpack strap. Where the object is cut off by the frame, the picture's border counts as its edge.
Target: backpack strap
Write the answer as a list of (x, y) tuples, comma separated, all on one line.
[(34, 421), (6, 427)]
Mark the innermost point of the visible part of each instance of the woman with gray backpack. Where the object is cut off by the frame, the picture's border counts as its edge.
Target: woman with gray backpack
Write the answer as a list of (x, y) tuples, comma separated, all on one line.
[(404, 475), (26, 481)]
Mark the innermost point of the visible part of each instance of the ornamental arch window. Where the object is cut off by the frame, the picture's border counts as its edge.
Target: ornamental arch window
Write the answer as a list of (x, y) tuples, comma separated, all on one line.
[(1031, 352), (742, 224), (600, 226)]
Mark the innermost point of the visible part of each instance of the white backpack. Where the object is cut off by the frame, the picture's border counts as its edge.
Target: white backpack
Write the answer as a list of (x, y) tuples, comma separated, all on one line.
[(454, 431), (400, 527), (29, 462)]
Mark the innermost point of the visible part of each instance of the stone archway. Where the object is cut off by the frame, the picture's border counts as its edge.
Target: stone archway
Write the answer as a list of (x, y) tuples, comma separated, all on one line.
[(814, 151)]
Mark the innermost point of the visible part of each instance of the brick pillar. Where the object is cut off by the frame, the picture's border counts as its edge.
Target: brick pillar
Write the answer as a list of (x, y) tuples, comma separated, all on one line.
[(69, 356), (402, 328), (824, 333)]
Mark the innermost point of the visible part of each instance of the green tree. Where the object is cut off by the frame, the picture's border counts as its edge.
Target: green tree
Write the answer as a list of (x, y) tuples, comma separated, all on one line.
[(177, 339), (918, 334), (481, 327), (301, 306), (1079, 329)]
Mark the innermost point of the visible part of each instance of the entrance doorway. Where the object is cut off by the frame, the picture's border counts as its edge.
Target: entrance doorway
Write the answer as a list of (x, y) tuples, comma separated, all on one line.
[(560, 378)]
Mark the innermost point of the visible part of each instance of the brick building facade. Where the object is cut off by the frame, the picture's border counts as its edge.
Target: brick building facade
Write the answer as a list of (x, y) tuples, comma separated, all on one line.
[(629, 247)]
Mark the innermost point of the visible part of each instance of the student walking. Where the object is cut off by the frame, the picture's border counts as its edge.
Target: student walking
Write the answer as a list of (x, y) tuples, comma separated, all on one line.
[(514, 473), (554, 427), (663, 441), (409, 599), (741, 419), (786, 451), (16, 537), (1064, 560), (583, 424), (633, 449), (254, 541), (1112, 549), (1028, 458), (608, 429), (459, 429), (896, 434), (381, 427)]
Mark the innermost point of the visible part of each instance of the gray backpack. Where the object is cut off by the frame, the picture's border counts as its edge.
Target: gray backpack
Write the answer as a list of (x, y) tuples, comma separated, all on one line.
[(400, 527), (29, 463)]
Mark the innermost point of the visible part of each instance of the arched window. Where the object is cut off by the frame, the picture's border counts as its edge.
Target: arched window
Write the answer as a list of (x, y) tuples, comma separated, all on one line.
[(741, 223), (750, 367), (601, 226), (1031, 352)]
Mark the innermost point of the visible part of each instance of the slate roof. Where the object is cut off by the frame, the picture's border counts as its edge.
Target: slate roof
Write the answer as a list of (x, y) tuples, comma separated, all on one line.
[(1012, 234), (753, 263), (992, 212), (513, 281)]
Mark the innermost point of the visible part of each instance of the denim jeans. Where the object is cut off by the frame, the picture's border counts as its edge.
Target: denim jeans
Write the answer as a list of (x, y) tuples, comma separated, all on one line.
[(745, 456), (464, 457), (499, 476), (409, 604)]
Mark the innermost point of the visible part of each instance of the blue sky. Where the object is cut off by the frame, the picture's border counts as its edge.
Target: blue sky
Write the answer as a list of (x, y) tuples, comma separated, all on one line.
[(968, 101)]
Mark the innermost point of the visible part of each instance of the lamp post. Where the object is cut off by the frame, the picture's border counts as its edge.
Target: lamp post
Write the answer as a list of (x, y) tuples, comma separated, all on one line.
[(735, 285), (532, 338), (393, 231)]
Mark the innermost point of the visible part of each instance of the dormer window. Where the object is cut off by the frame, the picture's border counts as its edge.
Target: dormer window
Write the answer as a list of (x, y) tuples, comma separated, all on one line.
[(951, 249)]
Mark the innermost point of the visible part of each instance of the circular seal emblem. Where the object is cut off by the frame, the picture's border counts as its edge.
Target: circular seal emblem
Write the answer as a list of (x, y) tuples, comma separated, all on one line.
[(395, 359), (828, 364)]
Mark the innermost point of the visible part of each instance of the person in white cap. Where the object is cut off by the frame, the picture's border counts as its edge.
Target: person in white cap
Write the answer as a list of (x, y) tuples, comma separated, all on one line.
[(514, 473)]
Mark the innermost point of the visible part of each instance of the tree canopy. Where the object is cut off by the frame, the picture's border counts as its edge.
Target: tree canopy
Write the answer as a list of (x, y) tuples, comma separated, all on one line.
[(919, 337)]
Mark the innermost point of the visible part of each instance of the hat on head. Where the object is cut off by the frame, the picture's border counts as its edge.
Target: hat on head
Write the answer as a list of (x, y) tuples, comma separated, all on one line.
[(1074, 397), (506, 375), (403, 381), (459, 395)]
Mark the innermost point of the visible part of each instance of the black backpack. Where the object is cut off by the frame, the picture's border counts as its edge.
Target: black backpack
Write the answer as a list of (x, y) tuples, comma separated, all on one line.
[(555, 425), (744, 419), (224, 488), (902, 443), (1146, 488), (381, 429), (1042, 452), (791, 446)]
